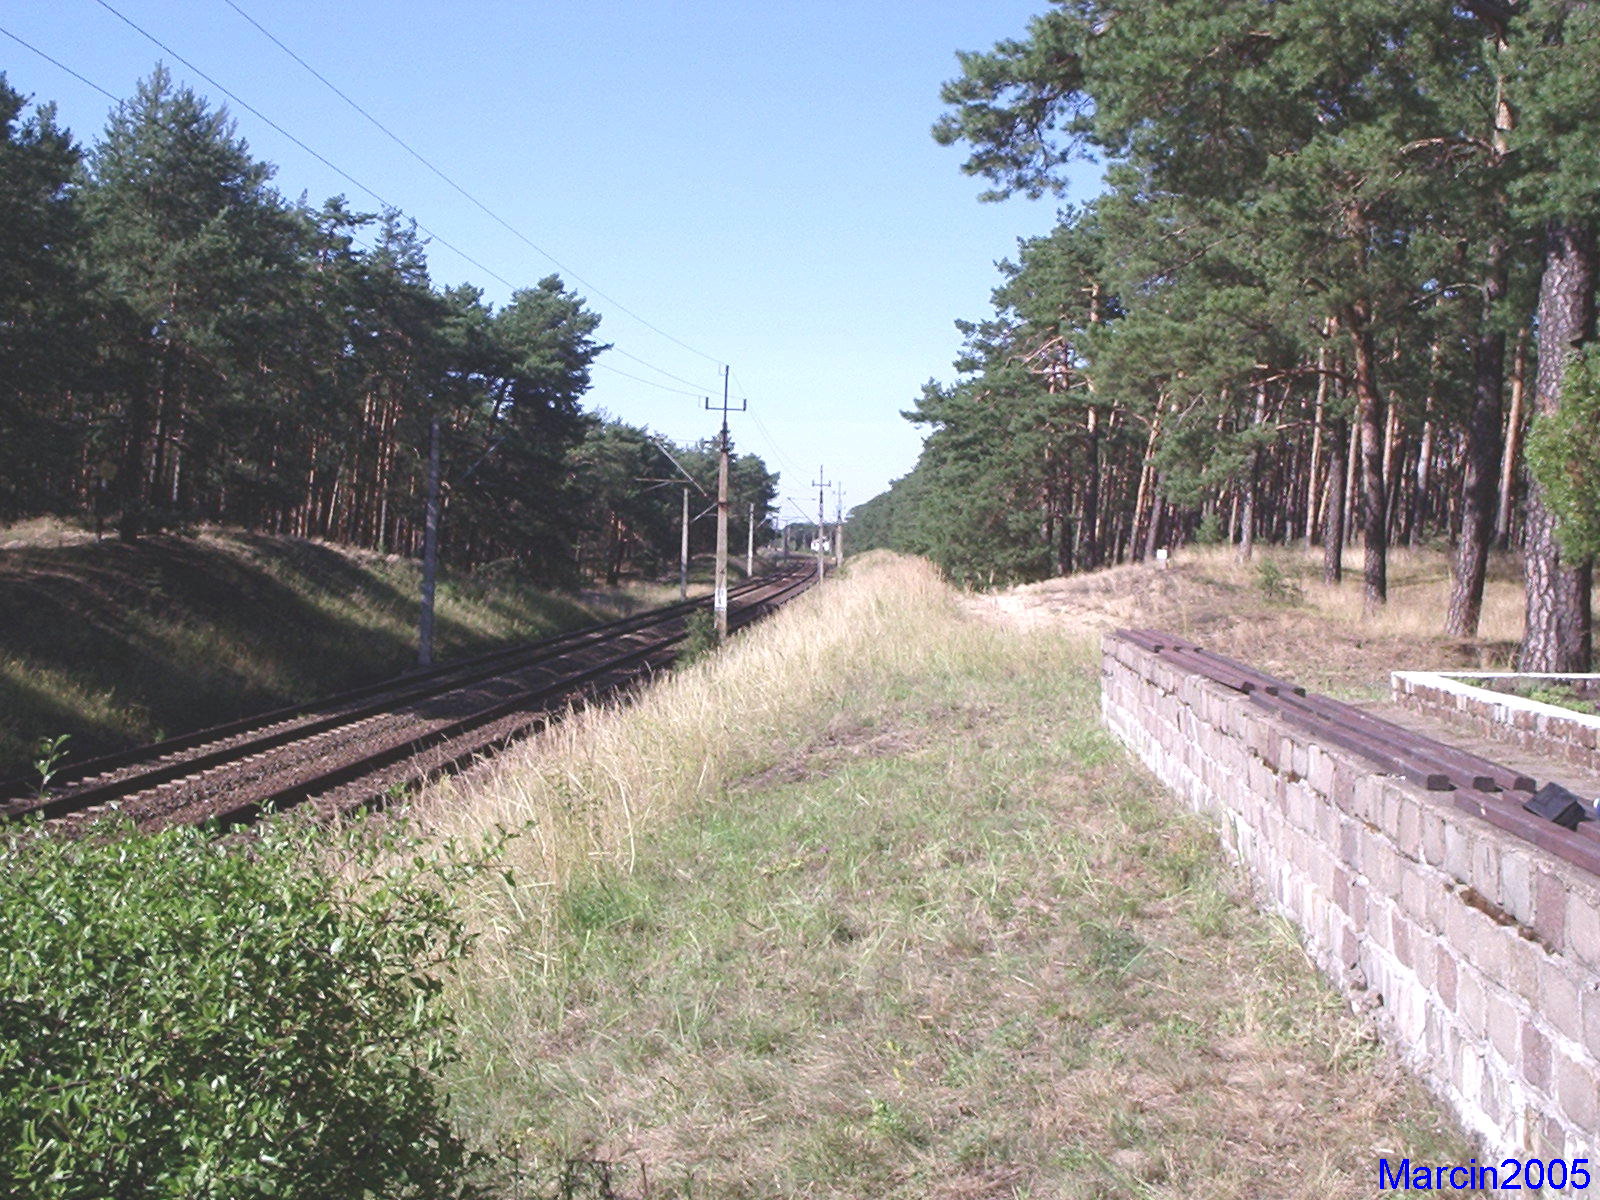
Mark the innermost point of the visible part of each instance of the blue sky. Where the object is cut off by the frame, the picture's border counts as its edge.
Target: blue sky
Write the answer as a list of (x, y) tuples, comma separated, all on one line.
[(757, 180)]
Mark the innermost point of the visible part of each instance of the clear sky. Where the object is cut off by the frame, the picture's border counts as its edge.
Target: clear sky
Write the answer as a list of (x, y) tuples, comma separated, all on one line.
[(755, 179)]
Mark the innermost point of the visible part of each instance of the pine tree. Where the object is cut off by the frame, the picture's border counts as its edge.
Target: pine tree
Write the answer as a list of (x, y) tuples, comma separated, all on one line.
[(43, 320), (185, 230)]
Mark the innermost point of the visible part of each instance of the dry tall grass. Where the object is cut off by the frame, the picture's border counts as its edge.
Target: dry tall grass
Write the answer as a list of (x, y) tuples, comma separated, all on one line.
[(1419, 588), (869, 904), (580, 793)]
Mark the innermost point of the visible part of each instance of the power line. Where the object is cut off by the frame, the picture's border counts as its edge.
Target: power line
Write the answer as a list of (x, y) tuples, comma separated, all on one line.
[(647, 382), (805, 517), (699, 390), (773, 442), (332, 166), (484, 208), (767, 434), (485, 268), (355, 237), (56, 62)]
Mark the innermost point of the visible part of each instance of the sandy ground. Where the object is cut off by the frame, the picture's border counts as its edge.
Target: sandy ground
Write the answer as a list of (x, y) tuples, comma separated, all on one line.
[(1316, 643), (1216, 605)]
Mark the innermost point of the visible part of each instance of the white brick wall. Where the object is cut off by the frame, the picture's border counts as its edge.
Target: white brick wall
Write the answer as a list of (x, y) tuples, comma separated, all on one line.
[(1478, 954)]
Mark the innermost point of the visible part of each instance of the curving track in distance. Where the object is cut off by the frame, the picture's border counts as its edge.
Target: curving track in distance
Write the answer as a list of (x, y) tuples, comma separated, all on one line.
[(366, 745)]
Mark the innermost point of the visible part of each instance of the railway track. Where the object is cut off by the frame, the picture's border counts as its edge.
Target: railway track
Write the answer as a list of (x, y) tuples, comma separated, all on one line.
[(370, 743), (1480, 786)]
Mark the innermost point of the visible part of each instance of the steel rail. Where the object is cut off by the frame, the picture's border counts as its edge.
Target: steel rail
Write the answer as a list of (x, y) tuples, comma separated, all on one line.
[(756, 597), (558, 693), (280, 726)]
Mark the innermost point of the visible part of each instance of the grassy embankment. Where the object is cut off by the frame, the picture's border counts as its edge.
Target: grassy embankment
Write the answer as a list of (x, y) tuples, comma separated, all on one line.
[(120, 644), (870, 905)]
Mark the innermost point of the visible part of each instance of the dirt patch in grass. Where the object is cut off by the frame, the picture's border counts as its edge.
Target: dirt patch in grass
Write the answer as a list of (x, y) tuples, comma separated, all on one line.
[(957, 945), (843, 739)]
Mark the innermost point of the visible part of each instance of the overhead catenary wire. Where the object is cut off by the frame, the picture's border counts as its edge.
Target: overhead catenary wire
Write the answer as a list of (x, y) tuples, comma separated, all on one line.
[(332, 166), (374, 193), (661, 445), (479, 204), (773, 443), (89, 83), (766, 433), (805, 517), (647, 382)]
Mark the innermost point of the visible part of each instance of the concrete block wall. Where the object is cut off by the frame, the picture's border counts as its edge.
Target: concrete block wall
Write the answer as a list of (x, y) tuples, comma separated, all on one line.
[(1544, 728), (1477, 954)]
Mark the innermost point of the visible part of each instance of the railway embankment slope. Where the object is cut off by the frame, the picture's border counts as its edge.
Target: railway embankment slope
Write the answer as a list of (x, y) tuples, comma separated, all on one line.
[(117, 645)]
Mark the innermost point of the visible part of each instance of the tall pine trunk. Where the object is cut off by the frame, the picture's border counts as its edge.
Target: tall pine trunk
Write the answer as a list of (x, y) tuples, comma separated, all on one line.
[(1333, 514), (1369, 419), (1252, 483), (1558, 619), (1089, 553), (1513, 441), (131, 496), (1480, 458)]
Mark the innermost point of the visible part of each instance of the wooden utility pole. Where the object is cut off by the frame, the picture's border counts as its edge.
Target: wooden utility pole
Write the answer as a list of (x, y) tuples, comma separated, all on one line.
[(430, 551), (838, 525), (683, 552), (822, 487), (719, 602), (750, 544)]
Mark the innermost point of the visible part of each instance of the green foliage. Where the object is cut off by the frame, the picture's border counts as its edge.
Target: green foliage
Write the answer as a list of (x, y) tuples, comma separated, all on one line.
[(210, 350), (1276, 585), (47, 755), (1563, 696), (702, 638), (42, 314), (183, 1016), (1561, 455), (1303, 211), (1210, 531), (627, 487)]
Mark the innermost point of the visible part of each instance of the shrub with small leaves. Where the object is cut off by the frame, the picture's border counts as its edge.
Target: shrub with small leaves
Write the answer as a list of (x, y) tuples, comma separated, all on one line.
[(186, 1016), (702, 639), (1561, 457)]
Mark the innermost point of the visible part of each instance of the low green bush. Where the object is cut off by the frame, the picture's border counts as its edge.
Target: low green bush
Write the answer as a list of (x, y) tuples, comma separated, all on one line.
[(1277, 585), (702, 639), (1210, 531), (186, 1016)]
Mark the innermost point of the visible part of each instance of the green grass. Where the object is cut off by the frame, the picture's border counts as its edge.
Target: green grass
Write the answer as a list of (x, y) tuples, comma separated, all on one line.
[(1562, 696), (932, 935), (119, 644)]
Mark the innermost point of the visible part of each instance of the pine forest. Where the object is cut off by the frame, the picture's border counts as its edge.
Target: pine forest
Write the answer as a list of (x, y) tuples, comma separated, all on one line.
[(1338, 288), (180, 344)]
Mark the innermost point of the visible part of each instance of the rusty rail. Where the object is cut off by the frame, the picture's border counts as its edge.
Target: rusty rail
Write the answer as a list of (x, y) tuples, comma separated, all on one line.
[(557, 673)]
